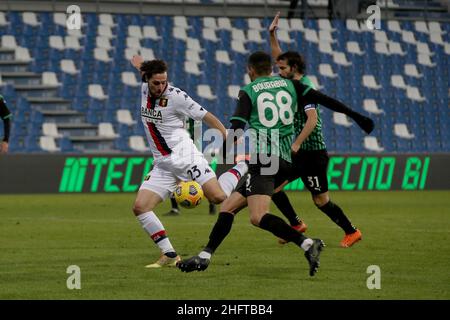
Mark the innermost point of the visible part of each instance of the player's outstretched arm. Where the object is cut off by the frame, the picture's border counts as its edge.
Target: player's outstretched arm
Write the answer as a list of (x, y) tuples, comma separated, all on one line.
[(274, 44), (363, 122), (212, 121), (310, 95)]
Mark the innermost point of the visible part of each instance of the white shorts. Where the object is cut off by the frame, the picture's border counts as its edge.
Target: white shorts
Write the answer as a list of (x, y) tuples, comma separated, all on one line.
[(185, 163)]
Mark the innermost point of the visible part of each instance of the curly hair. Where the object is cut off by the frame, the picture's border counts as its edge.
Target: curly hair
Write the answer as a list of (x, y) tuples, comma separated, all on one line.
[(149, 68)]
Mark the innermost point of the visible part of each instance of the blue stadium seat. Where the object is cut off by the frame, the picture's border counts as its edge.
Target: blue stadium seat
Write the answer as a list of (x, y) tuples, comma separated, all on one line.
[(424, 119), (66, 145)]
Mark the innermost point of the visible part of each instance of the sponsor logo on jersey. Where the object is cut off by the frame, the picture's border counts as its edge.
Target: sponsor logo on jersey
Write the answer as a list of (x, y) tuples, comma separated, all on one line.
[(151, 114)]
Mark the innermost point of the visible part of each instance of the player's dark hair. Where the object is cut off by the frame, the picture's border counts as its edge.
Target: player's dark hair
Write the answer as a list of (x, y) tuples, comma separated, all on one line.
[(294, 59), (261, 62), (149, 68)]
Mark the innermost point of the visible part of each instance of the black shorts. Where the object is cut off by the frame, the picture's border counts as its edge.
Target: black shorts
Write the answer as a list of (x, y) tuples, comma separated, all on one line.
[(254, 182), (311, 167)]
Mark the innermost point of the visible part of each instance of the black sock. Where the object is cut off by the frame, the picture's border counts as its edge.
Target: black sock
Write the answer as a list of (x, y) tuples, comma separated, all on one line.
[(212, 208), (281, 200), (281, 229), (220, 230), (335, 213), (174, 203)]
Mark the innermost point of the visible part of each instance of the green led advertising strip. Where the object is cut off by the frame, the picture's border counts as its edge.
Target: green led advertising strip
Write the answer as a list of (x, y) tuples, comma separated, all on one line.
[(124, 174)]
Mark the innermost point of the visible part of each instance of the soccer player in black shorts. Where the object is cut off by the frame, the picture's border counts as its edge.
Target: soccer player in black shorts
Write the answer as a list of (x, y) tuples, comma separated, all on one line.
[(265, 104), (5, 115), (310, 157)]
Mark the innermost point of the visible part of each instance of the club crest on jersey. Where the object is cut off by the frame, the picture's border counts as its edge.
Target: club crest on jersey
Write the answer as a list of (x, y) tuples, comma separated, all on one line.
[(163, 102)]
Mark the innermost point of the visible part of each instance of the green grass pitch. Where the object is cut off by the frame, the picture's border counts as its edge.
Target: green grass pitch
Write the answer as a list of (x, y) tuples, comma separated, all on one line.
[(406, 234)]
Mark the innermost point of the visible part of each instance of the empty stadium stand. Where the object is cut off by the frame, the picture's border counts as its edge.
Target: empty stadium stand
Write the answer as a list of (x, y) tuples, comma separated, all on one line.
[(77, 92)]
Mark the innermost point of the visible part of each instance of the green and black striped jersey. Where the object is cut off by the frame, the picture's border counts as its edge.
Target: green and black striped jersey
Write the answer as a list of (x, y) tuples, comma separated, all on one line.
[(270, 106), (315, 140)]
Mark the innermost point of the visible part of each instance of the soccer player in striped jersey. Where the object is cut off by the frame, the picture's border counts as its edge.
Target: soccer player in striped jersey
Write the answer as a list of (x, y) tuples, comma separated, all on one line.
[(164, 109), (310, 153), (5, 115)]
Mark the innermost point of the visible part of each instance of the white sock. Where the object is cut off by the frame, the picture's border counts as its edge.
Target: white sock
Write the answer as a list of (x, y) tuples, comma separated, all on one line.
[(307, 243), (228, 180), (205, 255), (155, 229)]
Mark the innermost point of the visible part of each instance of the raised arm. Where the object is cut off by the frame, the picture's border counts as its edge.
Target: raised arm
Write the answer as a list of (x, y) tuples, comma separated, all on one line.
[(136, 61), (274, 44)]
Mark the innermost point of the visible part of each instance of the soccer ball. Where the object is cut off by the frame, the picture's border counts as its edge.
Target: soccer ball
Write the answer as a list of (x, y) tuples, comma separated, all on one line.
[(188, 194)]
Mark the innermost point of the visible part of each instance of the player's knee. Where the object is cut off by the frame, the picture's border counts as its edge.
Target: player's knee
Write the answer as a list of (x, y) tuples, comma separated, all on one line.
[(321, 199), (139, 208), (255, 220), (217, 198), (229, 206)]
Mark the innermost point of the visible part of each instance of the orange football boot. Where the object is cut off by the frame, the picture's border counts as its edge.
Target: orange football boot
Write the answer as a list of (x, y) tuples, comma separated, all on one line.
[(351, 239)]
